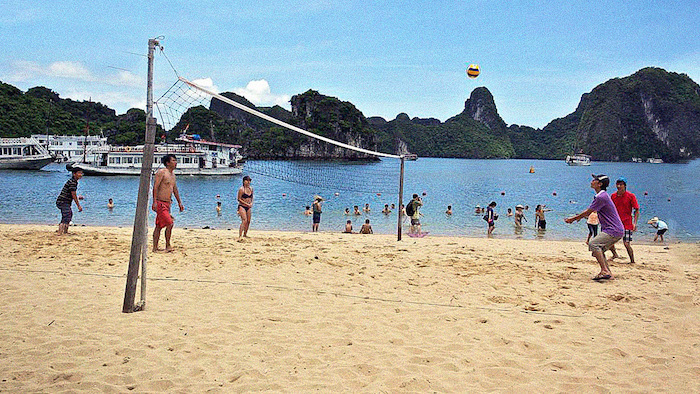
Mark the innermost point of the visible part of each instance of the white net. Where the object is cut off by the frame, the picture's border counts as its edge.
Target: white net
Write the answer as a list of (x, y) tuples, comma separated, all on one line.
[(187, 107)]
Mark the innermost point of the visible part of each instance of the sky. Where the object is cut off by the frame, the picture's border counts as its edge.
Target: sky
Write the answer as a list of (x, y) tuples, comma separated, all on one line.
[(386, 57)]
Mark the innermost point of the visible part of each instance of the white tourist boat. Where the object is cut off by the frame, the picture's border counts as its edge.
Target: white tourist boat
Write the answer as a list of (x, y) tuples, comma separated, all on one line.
[(654, 160), (194, 157), (578, 160), (79, 148), (23, 154)]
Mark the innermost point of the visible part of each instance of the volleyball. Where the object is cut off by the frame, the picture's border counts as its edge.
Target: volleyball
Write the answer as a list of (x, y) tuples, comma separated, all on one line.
[(473, 71)]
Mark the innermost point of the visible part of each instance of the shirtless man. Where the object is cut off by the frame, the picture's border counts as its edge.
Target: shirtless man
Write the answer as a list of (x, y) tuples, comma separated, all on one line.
[(163, 187)]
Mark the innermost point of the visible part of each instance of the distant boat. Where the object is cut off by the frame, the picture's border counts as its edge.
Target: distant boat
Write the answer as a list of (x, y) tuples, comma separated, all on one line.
[(194, 157), (410, 156), (578, 160), (637, 160), (74, 147), (23, 154), (654, 161)]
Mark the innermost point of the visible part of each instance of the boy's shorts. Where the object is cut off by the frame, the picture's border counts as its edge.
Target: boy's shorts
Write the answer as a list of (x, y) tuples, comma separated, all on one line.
[(66, 212)]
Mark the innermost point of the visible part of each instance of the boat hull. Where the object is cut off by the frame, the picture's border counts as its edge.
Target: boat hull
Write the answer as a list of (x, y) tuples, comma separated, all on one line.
[(25, 163), (116, 171)]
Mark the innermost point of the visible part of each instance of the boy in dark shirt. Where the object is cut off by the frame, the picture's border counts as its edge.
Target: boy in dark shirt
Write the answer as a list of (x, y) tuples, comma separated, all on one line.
[(66, 198)]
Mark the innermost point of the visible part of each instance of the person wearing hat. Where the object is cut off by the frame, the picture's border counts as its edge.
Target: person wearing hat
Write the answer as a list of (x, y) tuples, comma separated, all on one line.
[(660, 226), (627, 205), (611, 228), (318, 201)]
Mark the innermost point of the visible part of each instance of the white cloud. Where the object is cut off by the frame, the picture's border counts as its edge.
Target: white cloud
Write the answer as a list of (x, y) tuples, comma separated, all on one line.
[(127, 78), (258, 92), (26, 70), (70, 70), (206, 83), (119, 101)]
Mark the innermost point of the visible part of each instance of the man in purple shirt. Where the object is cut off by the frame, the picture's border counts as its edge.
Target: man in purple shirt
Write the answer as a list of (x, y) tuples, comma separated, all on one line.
[(611, 228)]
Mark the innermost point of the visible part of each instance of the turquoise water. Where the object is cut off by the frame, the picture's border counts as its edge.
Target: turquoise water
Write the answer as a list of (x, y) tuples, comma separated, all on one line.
[(672, 194)]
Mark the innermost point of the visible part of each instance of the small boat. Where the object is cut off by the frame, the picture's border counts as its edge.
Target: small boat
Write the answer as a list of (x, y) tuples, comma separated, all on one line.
[(637, 160), (578, 160), (23, 154), (194, 157), (654, 161), (410, 156)]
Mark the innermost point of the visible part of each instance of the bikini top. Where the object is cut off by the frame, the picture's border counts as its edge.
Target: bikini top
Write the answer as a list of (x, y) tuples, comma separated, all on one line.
[(244, 195)]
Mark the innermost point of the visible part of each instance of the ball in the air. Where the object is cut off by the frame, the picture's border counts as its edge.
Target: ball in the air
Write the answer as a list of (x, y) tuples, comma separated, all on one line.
[(473, 71)]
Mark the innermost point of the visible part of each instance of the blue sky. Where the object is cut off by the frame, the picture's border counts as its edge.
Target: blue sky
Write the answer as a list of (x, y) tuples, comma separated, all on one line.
[(537, 57)]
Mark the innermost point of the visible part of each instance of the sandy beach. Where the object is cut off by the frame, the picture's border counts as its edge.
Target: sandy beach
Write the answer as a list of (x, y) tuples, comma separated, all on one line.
[(331, 312)]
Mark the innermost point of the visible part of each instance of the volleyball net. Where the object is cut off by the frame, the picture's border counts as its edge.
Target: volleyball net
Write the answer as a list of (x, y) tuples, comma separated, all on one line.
[(277, 148)]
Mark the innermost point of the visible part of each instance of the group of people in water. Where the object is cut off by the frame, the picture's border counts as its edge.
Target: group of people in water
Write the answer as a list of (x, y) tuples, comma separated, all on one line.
[(616, 214)]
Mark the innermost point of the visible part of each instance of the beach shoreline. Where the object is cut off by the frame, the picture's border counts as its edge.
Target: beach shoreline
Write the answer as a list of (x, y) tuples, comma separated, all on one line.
[(290, 311), (529, 235)]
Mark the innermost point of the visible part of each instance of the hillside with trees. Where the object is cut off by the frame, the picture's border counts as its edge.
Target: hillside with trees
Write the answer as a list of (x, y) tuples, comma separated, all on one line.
[(652, 113)]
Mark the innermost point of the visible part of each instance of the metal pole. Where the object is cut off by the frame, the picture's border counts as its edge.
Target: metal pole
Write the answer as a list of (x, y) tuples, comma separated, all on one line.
[(139, 235), (398, 230)]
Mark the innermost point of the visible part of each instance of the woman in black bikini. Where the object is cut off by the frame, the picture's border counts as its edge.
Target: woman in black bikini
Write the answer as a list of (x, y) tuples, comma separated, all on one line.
[(245, 205)]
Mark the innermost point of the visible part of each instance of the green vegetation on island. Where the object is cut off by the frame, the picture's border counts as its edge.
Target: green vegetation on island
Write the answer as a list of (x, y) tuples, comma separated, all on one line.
[(652, 113)]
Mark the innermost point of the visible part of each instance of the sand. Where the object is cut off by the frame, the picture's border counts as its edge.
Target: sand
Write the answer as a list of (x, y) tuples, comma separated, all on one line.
[(330, 312)]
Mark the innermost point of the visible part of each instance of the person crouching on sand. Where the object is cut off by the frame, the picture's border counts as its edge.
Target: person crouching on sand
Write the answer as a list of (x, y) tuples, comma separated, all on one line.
[(366, 228), (660, 226), (348, 227), (611, 228)]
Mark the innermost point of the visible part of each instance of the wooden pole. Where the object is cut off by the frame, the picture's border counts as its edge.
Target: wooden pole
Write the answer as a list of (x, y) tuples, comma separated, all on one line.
[(140, 233), (398, 230)]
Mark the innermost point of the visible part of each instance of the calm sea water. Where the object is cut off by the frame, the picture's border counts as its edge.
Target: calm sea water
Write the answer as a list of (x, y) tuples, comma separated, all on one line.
[(669, 191)]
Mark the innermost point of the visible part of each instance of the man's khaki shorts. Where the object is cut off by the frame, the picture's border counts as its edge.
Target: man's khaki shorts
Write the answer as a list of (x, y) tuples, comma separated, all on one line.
[(602, 242)]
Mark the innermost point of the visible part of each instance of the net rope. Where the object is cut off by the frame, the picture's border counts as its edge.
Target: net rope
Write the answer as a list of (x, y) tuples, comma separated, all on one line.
[(380, 175)]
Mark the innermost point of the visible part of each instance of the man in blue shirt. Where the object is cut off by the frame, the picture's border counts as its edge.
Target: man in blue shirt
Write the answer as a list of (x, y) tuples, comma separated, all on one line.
[(611, 228)]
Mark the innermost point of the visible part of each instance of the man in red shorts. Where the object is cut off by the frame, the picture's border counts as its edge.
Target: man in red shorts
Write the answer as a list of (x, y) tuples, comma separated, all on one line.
[(626, 204), (163, 188)]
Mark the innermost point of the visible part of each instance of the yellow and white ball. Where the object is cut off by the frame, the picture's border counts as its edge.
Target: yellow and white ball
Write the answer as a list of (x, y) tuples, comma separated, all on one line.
[(473, 71)]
